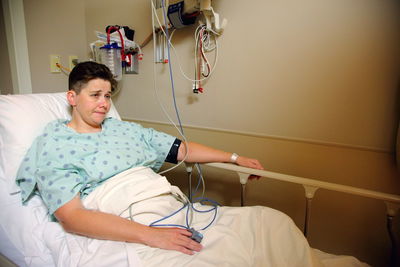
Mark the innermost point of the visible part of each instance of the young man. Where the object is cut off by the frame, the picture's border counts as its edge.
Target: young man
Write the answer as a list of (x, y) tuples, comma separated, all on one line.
[(71, 158)]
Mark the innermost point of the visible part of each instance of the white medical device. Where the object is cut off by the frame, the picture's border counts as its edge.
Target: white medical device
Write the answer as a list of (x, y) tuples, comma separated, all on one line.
[(181, 13)]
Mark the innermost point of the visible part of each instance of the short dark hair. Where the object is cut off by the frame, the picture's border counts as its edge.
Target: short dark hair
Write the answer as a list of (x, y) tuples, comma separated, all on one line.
[(84, 72)]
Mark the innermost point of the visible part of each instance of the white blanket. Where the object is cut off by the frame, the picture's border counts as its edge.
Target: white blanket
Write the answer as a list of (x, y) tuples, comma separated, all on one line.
[(249, 236)]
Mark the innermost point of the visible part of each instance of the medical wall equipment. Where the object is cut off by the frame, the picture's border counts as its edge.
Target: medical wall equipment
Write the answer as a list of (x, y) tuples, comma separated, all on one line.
[(173, 15), (117, 50), (110, 55), (181, 13), (203, 44)]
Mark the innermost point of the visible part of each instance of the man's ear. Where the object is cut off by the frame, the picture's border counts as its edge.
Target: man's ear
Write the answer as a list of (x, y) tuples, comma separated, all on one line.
[(71, 97)]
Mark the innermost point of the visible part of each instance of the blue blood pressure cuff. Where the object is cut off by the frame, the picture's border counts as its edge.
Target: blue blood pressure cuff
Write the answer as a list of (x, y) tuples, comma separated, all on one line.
[(172, 156)]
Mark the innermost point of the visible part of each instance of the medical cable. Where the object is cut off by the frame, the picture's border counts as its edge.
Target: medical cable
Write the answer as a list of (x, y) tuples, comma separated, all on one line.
[(200, 180), (154, 224), (190, 209), (172, 80), (173, 86), (201, 40), (170, 68), (184, 74), (185, 204), (190, 206), (169, 44), (159, 100), (180, 129), (215, 207)]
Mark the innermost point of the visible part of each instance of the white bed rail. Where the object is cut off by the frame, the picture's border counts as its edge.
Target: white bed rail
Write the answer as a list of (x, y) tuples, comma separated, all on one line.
[(392, 201), (244, 173)]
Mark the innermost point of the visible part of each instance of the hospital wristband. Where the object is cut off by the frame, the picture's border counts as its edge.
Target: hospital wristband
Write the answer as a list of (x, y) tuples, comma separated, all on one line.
[(234, 157)]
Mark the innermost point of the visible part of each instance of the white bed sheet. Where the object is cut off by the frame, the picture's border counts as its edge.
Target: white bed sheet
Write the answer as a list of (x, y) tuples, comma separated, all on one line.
[(249, 236)]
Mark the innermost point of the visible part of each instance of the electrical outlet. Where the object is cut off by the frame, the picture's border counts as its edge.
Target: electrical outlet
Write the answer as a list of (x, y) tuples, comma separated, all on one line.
[(72, 60), (54, 60)]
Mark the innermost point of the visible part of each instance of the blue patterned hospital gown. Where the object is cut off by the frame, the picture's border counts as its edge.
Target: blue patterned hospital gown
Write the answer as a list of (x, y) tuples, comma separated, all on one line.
[(61, 162)]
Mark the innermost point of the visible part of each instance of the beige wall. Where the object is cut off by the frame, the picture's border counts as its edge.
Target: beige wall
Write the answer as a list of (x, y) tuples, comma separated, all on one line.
[(6, 86), (316, 71), (311, 70), (326, 72), (53, 27)]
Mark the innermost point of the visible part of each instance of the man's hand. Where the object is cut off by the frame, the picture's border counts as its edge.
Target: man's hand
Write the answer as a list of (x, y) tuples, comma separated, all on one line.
[(172, 239), (250, 163)]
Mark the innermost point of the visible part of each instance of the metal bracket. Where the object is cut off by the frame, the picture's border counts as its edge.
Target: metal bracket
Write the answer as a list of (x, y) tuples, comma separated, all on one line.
[(309, 193), (243, 177)]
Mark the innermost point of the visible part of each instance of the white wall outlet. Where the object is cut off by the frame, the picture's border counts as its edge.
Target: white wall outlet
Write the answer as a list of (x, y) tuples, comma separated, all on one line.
[(54, 60)]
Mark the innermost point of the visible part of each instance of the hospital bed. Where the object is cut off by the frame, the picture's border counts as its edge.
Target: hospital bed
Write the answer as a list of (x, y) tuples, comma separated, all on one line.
[(28, 238)]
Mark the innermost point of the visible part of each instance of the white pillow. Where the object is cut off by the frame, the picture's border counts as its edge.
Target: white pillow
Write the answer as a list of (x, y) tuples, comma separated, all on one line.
[(22, 119)]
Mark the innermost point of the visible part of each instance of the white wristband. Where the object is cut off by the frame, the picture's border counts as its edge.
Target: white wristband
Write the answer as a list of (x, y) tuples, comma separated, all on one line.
[(234, 157)]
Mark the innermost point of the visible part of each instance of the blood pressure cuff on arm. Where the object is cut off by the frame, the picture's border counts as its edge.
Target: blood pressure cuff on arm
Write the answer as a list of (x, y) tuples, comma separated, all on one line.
[(172, 156)]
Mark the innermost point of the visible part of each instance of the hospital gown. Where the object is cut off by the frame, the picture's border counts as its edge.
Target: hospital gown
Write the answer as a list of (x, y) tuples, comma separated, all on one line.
[(62, 163)]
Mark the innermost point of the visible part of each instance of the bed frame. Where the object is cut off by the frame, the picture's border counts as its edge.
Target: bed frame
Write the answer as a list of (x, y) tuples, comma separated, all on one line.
[(391, 201)]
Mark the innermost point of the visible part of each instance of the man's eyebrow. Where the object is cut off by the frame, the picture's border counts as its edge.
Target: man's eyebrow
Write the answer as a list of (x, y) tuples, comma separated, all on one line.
[(99, 91)]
